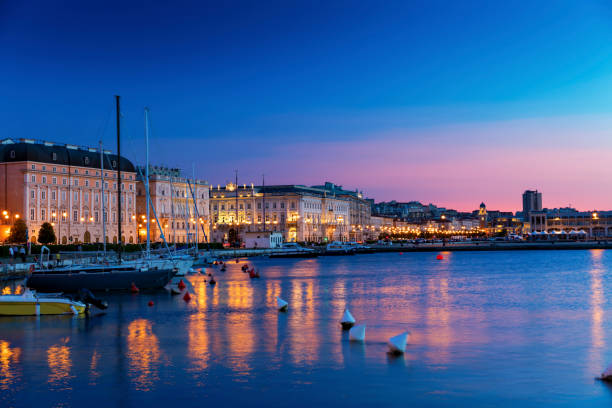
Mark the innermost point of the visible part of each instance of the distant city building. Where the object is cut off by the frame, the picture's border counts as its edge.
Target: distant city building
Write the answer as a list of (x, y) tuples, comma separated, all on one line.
[(181, 206), (532, 201), (61, 184), (300, 213)]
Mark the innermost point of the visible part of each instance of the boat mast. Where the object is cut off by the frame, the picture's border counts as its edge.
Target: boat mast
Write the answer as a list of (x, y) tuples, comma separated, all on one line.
[(118, 175), (186, 210), (195, 209), (146, 115), (172, 195), (263, 189), (103, 206)]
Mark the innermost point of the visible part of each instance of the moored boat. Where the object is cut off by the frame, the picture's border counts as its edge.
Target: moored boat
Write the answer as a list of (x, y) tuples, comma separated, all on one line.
[(339, 248), (30, 303), (98, 279)]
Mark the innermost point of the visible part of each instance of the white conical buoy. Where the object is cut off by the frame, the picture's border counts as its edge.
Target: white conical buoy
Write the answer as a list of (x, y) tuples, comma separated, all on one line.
[(607, 374), (281, 305), (347, 320), (357, 333), (397, 344)]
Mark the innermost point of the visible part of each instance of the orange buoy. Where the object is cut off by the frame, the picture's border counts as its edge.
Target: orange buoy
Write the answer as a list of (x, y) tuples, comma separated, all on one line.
[(439, 257), (187, 297), (134, 288), (151, 303), (181, 285)]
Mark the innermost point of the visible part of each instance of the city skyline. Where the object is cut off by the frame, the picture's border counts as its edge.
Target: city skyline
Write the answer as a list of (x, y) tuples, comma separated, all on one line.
[(444, 103)]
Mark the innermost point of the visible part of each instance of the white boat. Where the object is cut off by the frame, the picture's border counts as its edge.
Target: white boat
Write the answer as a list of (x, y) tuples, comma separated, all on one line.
[(293, 250), (347, 320), (281, 305), (339, 248), (357, 333), (397, 344), (30, 303)]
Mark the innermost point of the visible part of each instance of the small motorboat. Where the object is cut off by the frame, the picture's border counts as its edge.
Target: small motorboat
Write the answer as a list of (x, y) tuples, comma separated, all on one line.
[(253, 274), (30, 303)]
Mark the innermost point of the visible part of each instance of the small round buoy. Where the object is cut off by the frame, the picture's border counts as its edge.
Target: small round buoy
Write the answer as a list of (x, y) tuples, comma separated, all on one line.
[(151, 303), (181, 285), (134, 288), (212, 281), (187, 297), (401, 253), (439, 257)]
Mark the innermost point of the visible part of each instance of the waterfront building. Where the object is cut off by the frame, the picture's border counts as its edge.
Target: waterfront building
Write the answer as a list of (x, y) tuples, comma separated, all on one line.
[(565, 223), (61, 184), (298, 212), (360, 209), (181, 205)]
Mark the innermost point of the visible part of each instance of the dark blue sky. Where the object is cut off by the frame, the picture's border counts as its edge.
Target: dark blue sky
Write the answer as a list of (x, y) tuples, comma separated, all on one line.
[(390, 97)]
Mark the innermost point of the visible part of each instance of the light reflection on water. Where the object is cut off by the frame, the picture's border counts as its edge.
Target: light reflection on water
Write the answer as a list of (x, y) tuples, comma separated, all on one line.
[(143, 354), (60, 365), (536, 320)]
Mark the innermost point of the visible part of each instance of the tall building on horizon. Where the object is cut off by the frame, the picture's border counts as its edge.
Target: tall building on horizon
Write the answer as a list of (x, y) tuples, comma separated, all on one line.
[(532, 201)]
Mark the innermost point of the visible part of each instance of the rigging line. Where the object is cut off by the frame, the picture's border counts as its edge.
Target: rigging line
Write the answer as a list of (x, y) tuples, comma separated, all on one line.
[(102, 128)]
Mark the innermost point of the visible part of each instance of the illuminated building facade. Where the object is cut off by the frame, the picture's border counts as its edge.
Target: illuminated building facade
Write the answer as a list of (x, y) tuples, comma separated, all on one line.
[(173, 197), (300, 213), (61, 184)]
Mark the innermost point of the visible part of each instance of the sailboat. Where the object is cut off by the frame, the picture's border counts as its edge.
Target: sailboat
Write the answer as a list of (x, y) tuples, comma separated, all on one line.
[(120, 276)]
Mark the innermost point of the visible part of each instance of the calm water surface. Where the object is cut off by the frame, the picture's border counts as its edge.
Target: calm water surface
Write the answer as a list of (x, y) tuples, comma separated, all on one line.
[(488, 329)]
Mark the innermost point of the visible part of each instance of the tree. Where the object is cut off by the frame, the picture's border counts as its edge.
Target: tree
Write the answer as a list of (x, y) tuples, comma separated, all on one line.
[(19, 232), (46, 235)]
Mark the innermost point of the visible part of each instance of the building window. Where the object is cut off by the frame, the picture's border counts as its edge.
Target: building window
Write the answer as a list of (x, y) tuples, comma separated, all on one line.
[(75, 196), (64, 216), (76, 182), (12, 154), (32, 194), (63, 196), (54, 156), (282, 205), (97, 197), (33, 167), (248, 205), (259, 206), (259, 218), (241, 207), (53, 195), (55, 169), (32, 214), (86, 161), (132, 187), (86, 183), (267, 205), (97, 184), (96, 216), (75, 216), (64, 181), (44, 179), (114, 164), (42, 215), (222, 207), (54, 180), (33, 178), (76, 171), (63, 169), (293, 205), (86, 196), (43, 195)]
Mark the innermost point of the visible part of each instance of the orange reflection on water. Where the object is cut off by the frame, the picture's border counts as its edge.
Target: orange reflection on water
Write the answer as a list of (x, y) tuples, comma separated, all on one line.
[(143, 354), (597, 298), (198, 347), (60, 364), (439, 333), (9, 357), (303, 334), (240, 295), (93, 368)]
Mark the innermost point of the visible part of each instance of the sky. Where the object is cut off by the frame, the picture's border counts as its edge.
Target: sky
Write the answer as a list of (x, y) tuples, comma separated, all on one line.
[(447, 102)]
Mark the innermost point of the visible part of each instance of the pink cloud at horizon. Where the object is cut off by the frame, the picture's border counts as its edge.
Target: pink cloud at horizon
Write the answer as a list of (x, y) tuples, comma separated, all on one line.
[(458, 166)]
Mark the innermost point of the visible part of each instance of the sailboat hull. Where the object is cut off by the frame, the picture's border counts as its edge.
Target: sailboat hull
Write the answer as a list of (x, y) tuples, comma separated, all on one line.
[(99, 281)]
